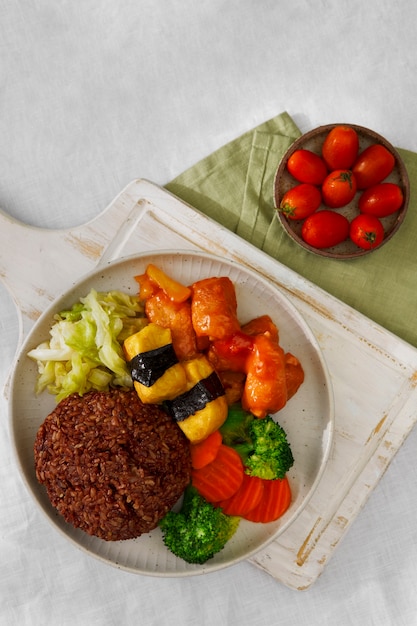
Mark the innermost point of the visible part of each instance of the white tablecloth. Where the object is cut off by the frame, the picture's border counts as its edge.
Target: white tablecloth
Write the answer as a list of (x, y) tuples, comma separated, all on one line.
[(97, 93)]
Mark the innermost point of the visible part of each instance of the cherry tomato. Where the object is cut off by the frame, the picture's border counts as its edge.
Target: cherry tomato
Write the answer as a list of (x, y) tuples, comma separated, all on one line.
[(366, 231), (325, 229), (373, 165), (307, 167), (381, 200), (340, 148), (338, 188), (300, 201)]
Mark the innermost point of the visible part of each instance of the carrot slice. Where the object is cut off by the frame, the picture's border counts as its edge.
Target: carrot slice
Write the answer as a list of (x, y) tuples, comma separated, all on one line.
[(275, 501), (174, 290), (206, 451), (221, 478), (246, 498)]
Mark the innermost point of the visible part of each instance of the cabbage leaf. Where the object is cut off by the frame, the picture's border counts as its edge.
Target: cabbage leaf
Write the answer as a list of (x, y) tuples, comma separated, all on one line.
[(85, 350)]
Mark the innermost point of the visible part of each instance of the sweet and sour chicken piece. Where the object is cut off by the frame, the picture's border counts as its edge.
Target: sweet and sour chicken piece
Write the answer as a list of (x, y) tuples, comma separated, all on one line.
[(214, 307), (265, 388), (176, 316)]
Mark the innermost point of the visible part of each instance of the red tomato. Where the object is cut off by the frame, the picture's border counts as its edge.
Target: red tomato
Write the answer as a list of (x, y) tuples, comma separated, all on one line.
[(373, 165), (366, 231), (307, 167), (338, 188), (340, 148), (325, 229), (381, 200), (300, 201)]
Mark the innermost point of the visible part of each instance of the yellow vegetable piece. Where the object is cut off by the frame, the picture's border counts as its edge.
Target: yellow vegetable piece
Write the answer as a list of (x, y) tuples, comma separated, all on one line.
[(205, 421), (174, 290), (173, 380)]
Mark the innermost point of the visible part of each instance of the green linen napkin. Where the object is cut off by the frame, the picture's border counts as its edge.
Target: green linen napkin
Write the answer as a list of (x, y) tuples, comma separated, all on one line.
[(234, 186)]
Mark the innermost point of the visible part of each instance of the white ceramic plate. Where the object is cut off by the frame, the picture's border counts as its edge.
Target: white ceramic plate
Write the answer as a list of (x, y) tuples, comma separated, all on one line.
[(308, 417)]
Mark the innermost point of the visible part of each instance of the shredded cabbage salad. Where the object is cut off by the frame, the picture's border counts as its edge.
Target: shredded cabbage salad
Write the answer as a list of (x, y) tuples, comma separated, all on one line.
[(85, 347)]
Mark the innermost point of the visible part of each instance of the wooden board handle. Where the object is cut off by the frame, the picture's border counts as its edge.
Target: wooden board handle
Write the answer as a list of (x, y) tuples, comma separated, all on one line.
[(36, 264)]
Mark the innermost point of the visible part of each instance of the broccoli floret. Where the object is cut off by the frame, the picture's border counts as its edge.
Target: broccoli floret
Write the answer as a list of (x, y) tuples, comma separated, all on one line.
[(199, 530), (261, 443)]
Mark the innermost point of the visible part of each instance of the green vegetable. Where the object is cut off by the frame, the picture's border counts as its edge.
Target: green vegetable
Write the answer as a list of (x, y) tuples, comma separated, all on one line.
[(199, 530), (85, 347), (261, 443)]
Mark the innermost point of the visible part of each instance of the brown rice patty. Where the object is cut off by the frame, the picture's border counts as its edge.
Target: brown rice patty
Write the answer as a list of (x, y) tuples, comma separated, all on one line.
[(111, 465)]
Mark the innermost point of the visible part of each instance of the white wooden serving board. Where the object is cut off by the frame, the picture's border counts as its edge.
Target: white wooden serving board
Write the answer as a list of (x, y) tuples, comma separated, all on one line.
[(370, 427)]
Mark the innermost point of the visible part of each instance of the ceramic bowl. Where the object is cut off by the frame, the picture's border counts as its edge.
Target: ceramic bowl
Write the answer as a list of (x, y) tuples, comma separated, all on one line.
[(313, 140)]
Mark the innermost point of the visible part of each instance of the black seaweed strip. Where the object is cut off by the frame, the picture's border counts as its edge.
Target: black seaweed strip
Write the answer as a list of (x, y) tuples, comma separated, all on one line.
[(196, 398), (147, 367)]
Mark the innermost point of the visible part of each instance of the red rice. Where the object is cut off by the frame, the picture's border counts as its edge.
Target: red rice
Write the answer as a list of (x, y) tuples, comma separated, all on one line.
[(111, 465)]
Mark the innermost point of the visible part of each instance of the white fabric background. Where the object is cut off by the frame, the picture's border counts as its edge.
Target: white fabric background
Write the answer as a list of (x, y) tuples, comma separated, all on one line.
[(96, 93)]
